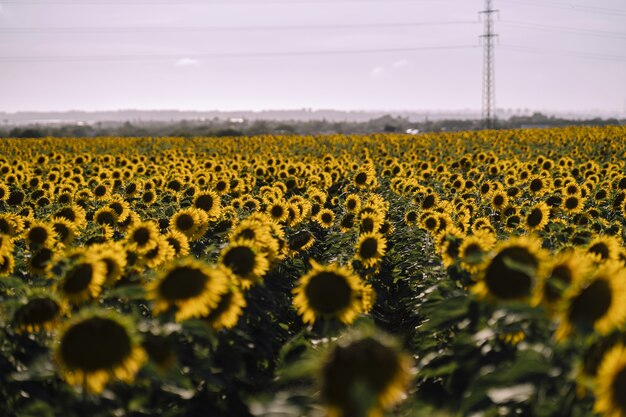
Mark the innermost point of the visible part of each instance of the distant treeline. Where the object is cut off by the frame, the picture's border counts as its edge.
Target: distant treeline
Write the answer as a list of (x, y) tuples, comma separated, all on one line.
[(219, 127)]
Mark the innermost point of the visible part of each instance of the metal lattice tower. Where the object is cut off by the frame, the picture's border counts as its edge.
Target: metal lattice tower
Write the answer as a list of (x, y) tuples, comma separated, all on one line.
[(489, 87)]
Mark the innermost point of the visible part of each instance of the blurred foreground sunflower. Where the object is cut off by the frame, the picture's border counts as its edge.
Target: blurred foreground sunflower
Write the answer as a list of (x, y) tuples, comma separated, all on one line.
[(511, 274), (610, 388), (363, 377), (96, 347)]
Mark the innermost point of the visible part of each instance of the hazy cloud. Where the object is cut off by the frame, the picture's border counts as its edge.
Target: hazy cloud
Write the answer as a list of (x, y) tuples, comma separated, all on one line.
[(399, 64), (377, 71), (187, 62)]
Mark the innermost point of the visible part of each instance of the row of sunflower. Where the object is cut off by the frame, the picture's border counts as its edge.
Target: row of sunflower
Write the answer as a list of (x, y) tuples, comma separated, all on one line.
[(238, 276)]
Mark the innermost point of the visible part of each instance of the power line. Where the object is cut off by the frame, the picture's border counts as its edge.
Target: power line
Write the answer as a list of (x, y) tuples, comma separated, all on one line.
[(578, 31), (137, 57), (204, 3), (561, 52), (571, 7), (150, 29)]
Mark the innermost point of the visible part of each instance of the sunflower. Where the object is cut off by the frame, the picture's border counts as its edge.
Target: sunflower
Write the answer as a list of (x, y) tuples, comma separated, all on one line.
[(370, 248), (447, 244), (228, 310), (603, 248), (246, 261), (178, 242), (39, 313), (11, 224), (411, 218), (65, 230), (537, 217), (573, 204), (7, 264), (40, 262), (352, 203), (538, 186), (277, 211), (191, 222), (330, 291), (209, 202), (300, 242), (189, 286), (567, 267), (325, 218), (105, 216), (499, 200), (596, 302), (257, 231), (74, 213), (83, 280), (142, 236), (114, 258), (610, 387), (364, 376), (511, 274), (96, 347), (160, 254), (6, 245), (40, 235), (474, 249), (365, 177), (370, 222)]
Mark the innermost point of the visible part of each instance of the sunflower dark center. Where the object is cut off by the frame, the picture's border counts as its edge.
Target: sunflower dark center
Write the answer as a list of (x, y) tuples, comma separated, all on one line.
[(182, 283), (300, 239), (366, 364), (536, 185), (41, 258), (367, 224), (571, 203), (327, 218), (601, 249), (37, 311), (95, 344), (592, 303), (351, 204), (535, 217), (185, 222), (78, 279), (347, 221), (411, 216), (368, 248), (328, 292), (38, 235), (428, 202), (117, 208), (361, 178), (204, 202), (174, 243), (100, 191), (431, 223), (277, 211), (473, 249), (141, 236), (61, 230), (509, 274), (498, 200), (105, 217), (241, 260), (67, 213)]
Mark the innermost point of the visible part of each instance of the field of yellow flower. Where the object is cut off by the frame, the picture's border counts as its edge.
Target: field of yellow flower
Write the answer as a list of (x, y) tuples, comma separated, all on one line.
[(473, 273)]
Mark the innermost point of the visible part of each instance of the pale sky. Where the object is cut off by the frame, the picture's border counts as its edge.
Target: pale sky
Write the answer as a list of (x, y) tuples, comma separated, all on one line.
[(554, 55)]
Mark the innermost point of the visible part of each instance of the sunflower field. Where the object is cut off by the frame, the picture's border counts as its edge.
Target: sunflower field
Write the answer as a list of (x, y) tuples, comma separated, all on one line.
[(454, 274)]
